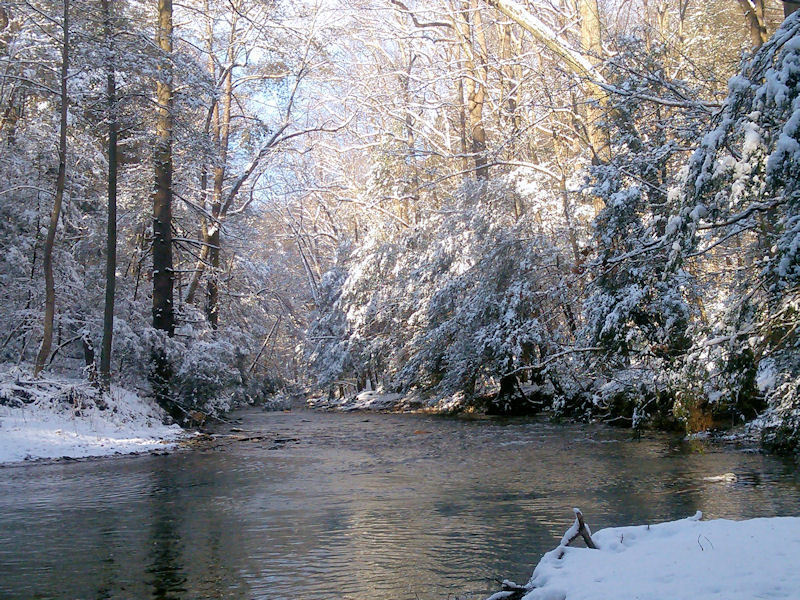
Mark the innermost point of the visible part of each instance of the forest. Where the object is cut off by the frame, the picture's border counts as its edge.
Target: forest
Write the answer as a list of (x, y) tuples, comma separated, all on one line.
[(586, 207)]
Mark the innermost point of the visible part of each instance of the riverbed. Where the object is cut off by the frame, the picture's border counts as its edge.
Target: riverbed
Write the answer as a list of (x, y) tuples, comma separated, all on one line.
[(357, 505)]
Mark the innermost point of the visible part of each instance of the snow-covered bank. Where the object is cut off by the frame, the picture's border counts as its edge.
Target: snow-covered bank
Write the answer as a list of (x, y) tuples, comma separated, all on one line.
[(57, 417), (690, 558), (391, 402), (368, 400)]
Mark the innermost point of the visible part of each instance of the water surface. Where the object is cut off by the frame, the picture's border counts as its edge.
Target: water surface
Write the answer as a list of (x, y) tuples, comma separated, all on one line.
[(385, 507)]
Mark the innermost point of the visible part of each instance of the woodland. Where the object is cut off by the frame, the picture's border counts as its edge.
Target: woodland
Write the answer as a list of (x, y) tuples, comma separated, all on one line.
[(589, 207)]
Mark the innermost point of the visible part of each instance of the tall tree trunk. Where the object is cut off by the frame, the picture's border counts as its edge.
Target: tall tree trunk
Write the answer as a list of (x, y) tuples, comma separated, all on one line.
[(462, 117), (592, 43), (410, 200), (49, 283), (756, 25), (222, 130), (212, 117), (479, 96), (111, 229), (163, 272), (474, 42), (212, 293)]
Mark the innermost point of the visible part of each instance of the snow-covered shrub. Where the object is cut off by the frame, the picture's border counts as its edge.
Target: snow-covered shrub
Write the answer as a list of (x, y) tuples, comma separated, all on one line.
[(204, 373), (780, 423), (636, 312)]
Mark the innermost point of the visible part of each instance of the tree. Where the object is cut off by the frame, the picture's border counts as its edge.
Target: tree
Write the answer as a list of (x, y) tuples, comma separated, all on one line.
[(231, 34), (111, 229), (163, 272), (50, 293), (756, 25), (740, 213)]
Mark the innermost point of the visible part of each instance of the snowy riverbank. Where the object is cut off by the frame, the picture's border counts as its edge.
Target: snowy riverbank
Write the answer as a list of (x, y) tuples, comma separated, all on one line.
[(690, 558), (56, 417)]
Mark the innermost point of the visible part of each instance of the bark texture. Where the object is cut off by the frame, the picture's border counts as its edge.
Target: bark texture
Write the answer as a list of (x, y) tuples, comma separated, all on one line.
[(163, 272), (111, 228)]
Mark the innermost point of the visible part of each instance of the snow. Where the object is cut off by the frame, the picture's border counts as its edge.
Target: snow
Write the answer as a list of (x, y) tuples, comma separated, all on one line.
[(690, 558), (52, 418), (369, 400)]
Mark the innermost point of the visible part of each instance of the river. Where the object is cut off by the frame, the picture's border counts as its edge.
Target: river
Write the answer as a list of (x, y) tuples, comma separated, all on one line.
[(356, 506)]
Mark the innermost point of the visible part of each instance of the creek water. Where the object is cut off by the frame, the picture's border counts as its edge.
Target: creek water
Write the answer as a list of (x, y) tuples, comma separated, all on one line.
[(356, 506)]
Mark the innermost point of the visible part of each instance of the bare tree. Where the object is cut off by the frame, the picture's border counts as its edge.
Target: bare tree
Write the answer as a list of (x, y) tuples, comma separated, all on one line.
[(50, 292)]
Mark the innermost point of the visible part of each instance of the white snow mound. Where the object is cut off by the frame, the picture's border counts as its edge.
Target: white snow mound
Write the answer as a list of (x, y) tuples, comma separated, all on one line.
[(719, 559)]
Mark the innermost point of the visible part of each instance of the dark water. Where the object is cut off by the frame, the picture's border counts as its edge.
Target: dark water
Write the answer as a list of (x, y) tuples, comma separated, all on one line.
[(360, 507)]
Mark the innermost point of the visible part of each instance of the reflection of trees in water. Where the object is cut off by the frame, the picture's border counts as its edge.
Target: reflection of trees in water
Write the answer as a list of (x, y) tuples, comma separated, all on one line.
[(109, 567), (217, 574), (165, 572), (195, 535)]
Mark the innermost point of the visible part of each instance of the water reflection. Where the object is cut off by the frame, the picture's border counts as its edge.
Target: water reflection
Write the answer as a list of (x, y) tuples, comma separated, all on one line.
[(355, 509), (165, 572)]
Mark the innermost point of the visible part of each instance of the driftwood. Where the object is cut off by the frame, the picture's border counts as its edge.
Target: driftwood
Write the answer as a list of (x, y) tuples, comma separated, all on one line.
[(509, 591), (579, 529)]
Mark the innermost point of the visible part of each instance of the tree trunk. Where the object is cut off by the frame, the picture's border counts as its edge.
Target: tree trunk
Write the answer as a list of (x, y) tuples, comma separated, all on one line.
[(212, 293), (592, 43), (410, 198), (163, 273), (50, 292), (200, 266), (471, 28), (111, 230), (222, 132), (212, 117), (462, 118), (756, 26)]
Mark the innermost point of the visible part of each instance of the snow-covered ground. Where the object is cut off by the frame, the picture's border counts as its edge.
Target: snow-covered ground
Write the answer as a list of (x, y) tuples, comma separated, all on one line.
[(386, 401), (690, 558), (56, 417), (363, 401)]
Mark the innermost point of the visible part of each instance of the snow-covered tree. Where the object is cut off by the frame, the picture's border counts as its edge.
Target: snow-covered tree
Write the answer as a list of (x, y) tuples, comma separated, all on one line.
[(741, 222)]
